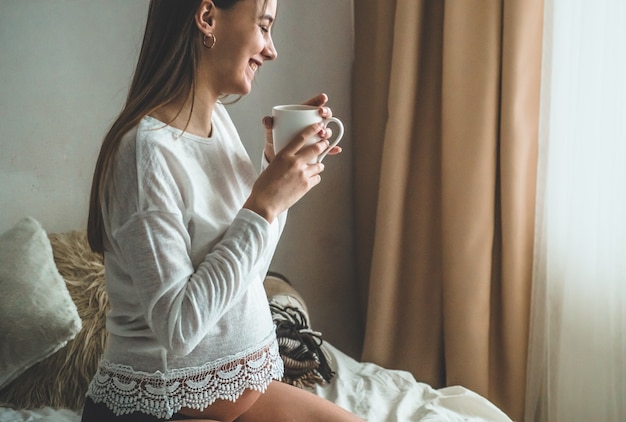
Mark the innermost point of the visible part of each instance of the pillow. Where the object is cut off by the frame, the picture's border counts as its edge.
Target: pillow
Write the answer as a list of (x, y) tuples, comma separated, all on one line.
[(62, 379), (37, 314), (280, 291)]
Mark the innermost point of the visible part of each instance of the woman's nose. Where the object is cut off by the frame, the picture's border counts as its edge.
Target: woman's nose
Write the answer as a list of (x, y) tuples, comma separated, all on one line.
[(269, 51)]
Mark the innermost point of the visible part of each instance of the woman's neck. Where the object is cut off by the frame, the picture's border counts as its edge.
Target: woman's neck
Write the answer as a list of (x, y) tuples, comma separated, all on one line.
[(179, 113)]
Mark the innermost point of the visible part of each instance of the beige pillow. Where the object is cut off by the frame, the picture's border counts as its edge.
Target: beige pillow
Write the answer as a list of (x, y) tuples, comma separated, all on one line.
[(61, 380), (37, 314)]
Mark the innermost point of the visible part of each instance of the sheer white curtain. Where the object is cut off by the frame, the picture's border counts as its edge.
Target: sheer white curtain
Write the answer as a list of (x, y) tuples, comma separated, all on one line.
[(577, 352)]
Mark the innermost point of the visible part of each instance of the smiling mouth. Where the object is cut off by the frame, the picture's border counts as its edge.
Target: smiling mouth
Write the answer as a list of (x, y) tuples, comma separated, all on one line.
[(254, 65)]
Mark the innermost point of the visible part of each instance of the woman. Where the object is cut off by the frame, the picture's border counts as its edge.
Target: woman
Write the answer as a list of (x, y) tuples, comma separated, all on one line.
[(188, 230)]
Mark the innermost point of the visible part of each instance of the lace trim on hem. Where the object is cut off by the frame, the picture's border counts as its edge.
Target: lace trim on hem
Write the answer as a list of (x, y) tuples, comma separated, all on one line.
[(159, 394)]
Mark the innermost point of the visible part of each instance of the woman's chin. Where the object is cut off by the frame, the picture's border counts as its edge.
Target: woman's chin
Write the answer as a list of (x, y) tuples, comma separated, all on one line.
[(243, 89)]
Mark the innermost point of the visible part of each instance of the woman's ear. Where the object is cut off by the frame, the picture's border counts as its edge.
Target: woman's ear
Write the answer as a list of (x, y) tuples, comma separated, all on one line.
[(205, 16)]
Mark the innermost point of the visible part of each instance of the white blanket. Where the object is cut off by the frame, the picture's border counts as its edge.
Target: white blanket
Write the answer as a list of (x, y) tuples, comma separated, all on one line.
[(40, 415), (368, 390), (384, 395)]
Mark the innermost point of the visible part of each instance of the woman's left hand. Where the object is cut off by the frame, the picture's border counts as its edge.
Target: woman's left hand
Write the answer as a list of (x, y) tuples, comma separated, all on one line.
[(319, 100)]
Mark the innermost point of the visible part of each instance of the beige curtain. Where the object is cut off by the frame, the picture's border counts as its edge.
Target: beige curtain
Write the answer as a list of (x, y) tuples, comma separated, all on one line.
[(445, 120)]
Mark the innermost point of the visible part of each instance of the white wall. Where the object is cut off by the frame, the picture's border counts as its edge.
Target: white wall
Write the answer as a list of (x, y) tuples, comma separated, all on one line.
[(64, 70), (65, 66)]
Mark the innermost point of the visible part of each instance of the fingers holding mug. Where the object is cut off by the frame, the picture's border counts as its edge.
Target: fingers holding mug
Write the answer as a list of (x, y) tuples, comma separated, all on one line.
[(268, 150), (327, 133), (319, 100)]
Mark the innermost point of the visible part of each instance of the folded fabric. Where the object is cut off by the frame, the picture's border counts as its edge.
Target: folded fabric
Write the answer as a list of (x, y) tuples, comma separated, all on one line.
[(300, 347)]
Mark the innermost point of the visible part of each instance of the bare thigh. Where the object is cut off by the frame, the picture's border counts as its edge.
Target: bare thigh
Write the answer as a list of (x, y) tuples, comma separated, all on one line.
[(283, 402), (224, 410)]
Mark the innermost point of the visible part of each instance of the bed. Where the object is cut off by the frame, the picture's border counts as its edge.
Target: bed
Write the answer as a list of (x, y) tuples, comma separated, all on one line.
[(52, 334)]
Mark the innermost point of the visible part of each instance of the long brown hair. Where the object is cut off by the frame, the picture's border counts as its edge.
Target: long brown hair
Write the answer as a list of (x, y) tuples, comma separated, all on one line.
[(165, 71)]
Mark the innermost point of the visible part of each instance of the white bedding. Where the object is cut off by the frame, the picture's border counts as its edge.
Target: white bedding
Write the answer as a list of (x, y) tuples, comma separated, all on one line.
[(372, 392), (384, 395), (41, 415)]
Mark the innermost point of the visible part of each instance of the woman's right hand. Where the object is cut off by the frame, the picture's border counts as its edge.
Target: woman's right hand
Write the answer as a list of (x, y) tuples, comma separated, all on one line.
[(289, 176)]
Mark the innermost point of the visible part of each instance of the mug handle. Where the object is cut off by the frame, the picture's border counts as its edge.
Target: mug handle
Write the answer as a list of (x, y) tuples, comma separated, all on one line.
[(337, 138)]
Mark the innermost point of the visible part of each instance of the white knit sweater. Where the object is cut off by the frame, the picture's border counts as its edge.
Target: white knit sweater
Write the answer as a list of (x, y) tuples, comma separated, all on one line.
[(185, 263)]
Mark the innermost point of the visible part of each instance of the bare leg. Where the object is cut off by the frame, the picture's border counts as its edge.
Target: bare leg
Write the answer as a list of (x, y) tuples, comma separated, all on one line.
[(223, 410), (283, 402), (201, 420)]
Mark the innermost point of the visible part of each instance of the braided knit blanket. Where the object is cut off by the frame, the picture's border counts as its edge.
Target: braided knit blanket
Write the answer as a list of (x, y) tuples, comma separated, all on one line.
[(306, 363)]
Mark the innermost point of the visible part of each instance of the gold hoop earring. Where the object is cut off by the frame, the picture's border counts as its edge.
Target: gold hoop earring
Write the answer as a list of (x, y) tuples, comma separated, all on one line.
[(211, 38)]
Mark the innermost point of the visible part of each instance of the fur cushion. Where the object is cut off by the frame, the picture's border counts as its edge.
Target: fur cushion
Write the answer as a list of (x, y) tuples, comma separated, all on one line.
[(62, 379)]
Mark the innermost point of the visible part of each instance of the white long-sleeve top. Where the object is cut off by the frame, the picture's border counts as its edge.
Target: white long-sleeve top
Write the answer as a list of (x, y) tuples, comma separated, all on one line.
[(189, 320)]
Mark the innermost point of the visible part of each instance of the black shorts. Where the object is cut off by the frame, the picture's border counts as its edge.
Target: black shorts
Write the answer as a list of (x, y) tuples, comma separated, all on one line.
[(98, 412)]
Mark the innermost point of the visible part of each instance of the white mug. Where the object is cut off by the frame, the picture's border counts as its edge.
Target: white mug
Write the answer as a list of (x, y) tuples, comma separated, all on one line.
[(289, 120)]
